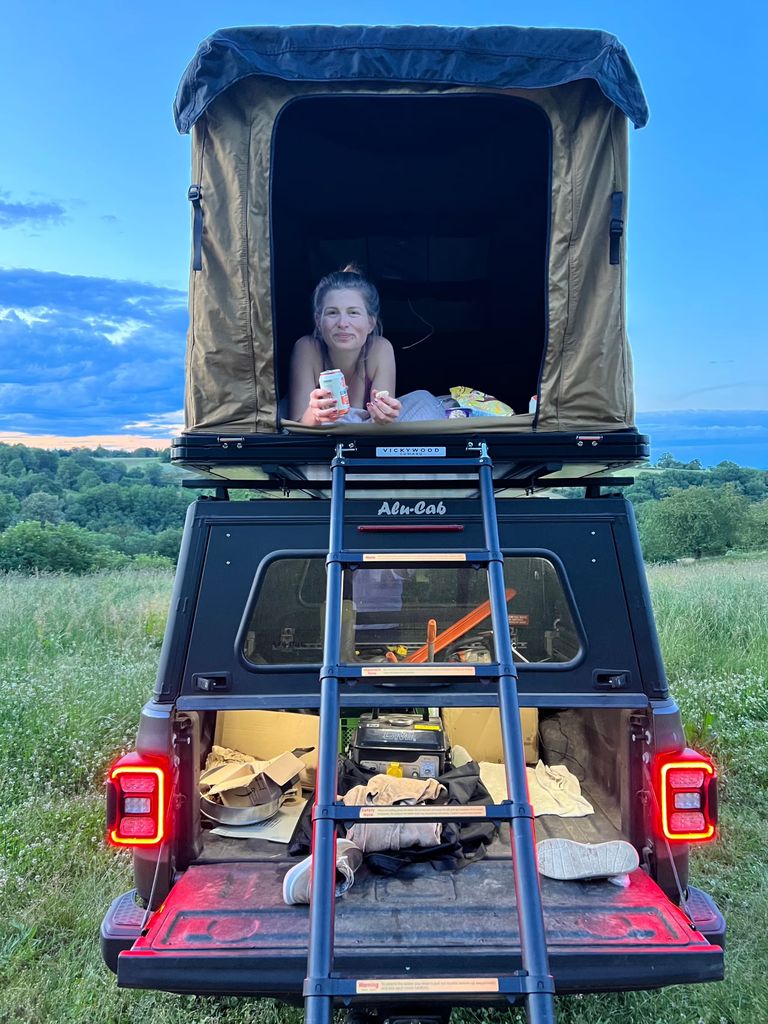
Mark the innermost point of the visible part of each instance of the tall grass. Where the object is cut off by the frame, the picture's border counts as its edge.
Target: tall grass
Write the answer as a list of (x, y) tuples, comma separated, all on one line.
[(78, 658), (712, 617)]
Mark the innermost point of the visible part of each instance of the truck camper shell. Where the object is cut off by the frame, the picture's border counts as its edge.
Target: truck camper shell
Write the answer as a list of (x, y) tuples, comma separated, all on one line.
[(479, 176)]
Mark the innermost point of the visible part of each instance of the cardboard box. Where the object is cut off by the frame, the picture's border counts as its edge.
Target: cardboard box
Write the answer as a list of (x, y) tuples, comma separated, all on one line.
[(478, 730), (266, 734)]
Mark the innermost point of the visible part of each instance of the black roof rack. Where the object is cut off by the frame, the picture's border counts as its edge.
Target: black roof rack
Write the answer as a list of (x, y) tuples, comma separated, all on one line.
[(303, 465), (301, 462)]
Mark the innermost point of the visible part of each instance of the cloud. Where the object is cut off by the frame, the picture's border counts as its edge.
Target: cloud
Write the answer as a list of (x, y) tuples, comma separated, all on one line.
[(164, 424), (38, 214), (736, 435), (87, 355)]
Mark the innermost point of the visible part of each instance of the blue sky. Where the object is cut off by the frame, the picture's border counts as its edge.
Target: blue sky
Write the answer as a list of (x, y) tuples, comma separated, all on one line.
[(94, 221)]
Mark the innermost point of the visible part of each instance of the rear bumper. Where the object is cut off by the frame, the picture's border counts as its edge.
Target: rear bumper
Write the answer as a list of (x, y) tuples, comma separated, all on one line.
[(224, 930), (282, 977)]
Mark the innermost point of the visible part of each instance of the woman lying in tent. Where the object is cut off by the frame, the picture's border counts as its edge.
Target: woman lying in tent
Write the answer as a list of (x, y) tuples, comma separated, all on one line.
[(347, 337)]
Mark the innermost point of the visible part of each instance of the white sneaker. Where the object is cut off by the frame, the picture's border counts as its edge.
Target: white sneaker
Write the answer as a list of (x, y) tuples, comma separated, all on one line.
[(567, 860), (298, 879)]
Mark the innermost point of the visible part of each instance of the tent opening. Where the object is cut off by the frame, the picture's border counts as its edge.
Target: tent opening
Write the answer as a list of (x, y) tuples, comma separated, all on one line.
[(444, 203)]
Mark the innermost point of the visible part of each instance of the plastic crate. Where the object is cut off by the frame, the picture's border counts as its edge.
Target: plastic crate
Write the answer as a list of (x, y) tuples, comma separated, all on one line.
[(347, 726)]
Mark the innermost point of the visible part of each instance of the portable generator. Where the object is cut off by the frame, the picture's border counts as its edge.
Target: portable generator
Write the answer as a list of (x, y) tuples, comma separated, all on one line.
[(409, 744)]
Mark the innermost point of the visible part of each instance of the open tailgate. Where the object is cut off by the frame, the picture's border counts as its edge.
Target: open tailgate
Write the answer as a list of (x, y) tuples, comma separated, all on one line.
[(225, 929)]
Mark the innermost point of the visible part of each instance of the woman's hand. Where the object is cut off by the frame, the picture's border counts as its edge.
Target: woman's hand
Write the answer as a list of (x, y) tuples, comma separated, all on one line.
[(382, 408), (322, 407)]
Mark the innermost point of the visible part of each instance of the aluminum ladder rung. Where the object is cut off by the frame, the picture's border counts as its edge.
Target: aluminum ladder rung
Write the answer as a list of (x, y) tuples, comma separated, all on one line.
[(415, 559), (511, 985), (426, 812)]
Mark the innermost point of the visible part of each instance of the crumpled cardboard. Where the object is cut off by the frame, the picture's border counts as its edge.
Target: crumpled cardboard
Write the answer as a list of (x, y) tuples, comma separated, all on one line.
[(244, 785)]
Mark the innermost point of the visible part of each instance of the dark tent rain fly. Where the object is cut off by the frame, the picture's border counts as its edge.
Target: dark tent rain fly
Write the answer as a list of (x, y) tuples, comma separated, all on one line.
[(478, 175)]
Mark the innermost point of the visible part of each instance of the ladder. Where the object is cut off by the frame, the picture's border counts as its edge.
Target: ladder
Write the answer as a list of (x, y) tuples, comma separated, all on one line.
[(322, 985)]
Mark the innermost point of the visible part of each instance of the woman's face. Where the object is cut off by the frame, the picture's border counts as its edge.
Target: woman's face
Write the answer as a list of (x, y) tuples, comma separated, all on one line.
[(344, 321)]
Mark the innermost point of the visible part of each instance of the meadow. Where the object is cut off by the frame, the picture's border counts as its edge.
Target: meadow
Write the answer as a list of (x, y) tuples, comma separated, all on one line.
[(77, 660)]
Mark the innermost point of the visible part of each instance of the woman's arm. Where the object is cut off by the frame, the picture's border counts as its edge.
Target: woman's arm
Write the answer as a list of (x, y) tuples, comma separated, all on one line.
[(307, 403), (381, 370)]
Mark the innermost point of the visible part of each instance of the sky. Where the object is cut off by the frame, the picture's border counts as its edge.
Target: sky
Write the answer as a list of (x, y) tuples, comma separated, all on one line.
[(94, 220)]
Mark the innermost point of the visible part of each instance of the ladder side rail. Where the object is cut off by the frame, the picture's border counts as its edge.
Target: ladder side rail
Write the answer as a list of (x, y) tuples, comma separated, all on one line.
[(322, 908), (533, 945)]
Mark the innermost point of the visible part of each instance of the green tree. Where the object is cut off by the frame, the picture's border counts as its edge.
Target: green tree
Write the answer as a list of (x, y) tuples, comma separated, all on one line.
[(668, 461), (72, 464), (9, 506), (168, 542), (755, 530), (142, 506), (34, 481), (88, 478), (31, 547), (694, 522), (40, 507)]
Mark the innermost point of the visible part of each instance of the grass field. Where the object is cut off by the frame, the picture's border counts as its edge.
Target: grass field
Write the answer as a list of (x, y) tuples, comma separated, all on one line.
[(77, 660)]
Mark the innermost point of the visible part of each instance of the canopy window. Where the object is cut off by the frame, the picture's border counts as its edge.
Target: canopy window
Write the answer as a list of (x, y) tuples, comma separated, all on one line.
[(445, 201)]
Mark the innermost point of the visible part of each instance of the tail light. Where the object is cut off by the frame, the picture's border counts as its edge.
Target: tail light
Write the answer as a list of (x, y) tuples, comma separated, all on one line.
[(687, 789), (138, 787)]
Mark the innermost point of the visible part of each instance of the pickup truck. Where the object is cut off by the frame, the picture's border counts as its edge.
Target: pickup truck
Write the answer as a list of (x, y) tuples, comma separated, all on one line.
[(245, 639)]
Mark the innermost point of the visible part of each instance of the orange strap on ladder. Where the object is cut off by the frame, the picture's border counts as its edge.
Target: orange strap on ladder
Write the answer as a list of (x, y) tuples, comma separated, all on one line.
[(457, 630)]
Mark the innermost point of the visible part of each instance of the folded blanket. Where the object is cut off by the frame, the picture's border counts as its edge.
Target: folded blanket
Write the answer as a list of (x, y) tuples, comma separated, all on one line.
[(552, 789)]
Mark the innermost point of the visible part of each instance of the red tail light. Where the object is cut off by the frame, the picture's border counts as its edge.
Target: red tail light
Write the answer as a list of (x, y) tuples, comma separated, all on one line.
[(137, 800), (687, 786)]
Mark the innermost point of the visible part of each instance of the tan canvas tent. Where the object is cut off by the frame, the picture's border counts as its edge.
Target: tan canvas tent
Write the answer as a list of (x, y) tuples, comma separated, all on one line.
[(479, 175)]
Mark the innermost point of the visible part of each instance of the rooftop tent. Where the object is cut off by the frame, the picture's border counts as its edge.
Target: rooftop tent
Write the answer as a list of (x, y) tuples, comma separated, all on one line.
[(478, 175)]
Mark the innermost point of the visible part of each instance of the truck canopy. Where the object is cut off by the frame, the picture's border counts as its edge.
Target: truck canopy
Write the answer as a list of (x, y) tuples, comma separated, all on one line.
[(478, 175)]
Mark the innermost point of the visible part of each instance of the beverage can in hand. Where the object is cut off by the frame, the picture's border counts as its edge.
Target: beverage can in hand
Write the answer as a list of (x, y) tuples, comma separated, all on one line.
[(333, 381)]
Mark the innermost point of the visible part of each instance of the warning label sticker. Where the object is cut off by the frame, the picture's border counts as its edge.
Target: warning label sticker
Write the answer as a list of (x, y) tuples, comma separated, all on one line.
[(399, 811), (402, 986), (418, 670), (415, 556)]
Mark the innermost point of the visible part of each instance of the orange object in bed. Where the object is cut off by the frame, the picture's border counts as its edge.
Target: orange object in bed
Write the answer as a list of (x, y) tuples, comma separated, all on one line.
[(458, 629)]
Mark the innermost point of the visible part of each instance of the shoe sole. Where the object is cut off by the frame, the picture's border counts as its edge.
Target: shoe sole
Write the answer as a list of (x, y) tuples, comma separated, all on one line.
[(288, 882), (568, 861)]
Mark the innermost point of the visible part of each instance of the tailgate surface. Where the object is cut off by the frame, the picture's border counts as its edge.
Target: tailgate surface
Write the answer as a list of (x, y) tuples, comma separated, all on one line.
[(225, 928)]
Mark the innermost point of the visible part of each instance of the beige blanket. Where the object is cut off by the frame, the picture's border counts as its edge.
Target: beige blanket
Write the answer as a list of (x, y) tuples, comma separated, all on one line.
[(552, 789), (387, 790)]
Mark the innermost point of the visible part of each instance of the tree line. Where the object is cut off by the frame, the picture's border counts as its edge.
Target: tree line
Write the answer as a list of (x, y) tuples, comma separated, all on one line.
[(82, 510), (77, 511), (686, 511)]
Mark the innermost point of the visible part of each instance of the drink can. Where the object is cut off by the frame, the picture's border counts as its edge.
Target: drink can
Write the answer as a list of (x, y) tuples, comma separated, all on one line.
[(458, 414), (333, 381)]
